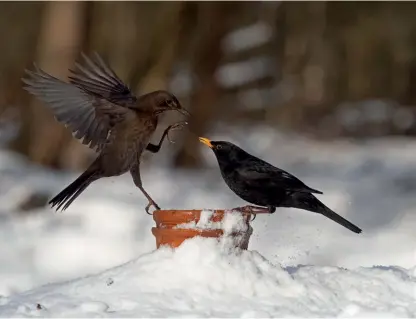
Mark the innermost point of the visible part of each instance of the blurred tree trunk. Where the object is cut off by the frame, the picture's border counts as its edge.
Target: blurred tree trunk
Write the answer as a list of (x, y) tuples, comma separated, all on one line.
[(19, 27), (45, 140), (206, 57), (163, 47), (139, 47), (302, 60), (164, 50), (118, 32)]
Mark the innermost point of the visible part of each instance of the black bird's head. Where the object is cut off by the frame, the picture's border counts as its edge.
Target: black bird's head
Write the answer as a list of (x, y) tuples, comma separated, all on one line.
[(166, 101), (224, 151)]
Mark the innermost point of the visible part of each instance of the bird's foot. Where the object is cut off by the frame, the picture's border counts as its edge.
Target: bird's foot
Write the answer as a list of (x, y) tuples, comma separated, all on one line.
[(254, 210), (176, 126), (151, 203)]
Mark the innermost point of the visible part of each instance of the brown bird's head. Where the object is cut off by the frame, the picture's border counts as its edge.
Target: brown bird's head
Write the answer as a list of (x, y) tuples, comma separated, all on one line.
[(166, 101)]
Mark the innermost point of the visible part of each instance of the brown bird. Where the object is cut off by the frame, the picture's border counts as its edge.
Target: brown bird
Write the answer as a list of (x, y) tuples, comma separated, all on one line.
[(102, 111)]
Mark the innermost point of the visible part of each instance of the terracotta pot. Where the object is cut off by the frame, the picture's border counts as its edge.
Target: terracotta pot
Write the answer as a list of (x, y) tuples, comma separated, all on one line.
[(166, 232)]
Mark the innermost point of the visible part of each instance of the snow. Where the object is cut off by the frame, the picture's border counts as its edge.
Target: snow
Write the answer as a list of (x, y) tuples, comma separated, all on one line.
[(203, 222), (203, 279), (298, 263), (233, 221)]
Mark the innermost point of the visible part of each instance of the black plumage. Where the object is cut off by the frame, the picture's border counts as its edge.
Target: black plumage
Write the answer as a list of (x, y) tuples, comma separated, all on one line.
[(260, 183), (102, 111)]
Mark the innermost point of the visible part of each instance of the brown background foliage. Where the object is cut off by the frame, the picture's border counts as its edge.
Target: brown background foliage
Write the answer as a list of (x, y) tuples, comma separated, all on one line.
[(314, 67)]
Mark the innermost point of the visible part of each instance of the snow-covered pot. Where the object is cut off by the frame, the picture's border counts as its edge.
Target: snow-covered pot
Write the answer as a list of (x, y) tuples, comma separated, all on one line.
[(173, 227)]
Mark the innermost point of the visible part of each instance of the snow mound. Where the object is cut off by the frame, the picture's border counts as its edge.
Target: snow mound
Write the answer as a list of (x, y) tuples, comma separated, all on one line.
[(204, 279)]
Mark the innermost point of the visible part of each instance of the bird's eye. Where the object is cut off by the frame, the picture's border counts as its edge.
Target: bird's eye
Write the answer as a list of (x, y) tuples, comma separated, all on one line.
[(219, 147)]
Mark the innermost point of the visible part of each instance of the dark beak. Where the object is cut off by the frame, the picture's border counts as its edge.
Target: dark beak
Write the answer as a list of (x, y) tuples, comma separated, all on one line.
[(183, 111)]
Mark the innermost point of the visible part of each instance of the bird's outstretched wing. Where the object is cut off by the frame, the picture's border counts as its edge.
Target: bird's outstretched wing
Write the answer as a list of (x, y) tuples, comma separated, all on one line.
[(98, 79), (88, 116), (262, 173)]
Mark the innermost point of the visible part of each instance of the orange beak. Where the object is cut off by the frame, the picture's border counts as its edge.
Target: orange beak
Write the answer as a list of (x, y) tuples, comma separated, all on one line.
[(206, 141)]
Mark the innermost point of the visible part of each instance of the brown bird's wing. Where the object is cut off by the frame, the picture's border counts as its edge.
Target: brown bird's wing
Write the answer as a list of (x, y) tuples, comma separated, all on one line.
[(99, 80), (265, 175), (89, 117)]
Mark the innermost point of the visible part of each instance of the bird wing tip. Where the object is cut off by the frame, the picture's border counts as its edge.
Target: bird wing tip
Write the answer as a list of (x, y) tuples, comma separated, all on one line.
[(315, 191), (25, 81)]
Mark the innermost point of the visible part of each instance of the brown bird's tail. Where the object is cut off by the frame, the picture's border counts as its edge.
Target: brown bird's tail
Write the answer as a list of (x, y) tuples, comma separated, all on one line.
[(72, 191), (311, 203)]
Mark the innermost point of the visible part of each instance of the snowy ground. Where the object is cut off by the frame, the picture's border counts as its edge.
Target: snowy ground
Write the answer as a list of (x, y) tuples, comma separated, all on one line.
[(203, 279), (371, 184)]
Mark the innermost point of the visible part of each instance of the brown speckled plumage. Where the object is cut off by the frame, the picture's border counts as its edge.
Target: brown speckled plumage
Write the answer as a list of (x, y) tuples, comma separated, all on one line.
[(102, 111)]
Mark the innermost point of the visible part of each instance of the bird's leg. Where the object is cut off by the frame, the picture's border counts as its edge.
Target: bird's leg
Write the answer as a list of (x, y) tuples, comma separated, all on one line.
[(135, 173), (151, 201), (173, 127), (254, 210), (268, 210), (156, 148)]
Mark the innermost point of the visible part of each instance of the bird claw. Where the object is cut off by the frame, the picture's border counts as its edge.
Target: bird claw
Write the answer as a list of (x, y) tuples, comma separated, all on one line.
[(170, 141), (151, 204), (253, 210), (173, 127)]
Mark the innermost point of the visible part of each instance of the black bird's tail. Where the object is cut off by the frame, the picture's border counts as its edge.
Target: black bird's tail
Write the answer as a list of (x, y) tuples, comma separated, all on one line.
[(72, 191), (311, 203)]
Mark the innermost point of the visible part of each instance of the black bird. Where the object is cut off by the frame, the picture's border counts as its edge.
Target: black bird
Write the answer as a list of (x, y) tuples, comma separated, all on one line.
[(100, 109), (260, 183)]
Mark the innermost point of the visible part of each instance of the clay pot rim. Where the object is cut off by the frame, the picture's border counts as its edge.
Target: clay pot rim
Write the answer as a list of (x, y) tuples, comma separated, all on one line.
[(196, 211), (157, 211), (197, 231), (175, 217), (180, 231)]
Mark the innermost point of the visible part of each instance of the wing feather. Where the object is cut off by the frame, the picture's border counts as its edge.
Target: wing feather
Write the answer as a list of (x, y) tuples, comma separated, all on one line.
[(266, 174), (88, 116), (98, 79)]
